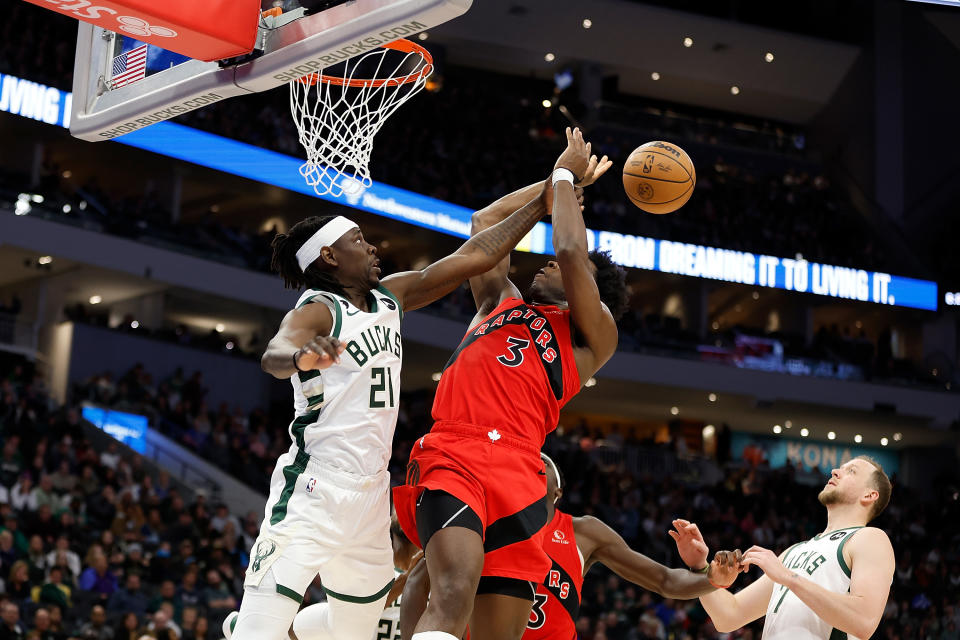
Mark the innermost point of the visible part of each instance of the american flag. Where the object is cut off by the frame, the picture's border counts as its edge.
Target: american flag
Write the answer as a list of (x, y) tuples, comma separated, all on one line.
[(130, 66)]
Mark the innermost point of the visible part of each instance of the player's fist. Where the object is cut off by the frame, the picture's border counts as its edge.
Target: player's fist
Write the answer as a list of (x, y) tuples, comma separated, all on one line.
[(320, 353), (725, 567)]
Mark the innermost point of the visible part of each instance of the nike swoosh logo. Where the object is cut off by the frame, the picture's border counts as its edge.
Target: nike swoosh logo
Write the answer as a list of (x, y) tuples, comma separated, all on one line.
[(541, 473), (346, 308)]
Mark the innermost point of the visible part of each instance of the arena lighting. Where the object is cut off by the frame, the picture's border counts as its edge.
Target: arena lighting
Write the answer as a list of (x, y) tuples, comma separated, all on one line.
[(546, 103), (688, 42), (768, 57), (708, 431), (587, 23), (67, 208), (37, 198), (267, 167), (44, 260), (858, 438), (777, 428), (712, 397), (591, 382), (897, 437), (134, 325), (423, 35), (735, 90), (230, 346), (884, 442), (67, 173), (831, 435), (95, 300), (655, 75), (549, 57), (219, 328), (804, 432), (435, 376), (788, 423), (674, 410)]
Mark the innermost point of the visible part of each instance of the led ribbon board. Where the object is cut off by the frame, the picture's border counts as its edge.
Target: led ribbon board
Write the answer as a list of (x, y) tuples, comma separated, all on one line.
[(50, 105)]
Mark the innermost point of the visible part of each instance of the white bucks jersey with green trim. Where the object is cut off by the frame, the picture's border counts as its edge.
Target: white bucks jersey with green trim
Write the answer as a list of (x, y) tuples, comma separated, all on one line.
[(346, 415), (819, 559)]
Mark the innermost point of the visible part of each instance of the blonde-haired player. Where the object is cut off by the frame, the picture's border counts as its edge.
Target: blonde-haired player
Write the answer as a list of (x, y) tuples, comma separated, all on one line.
[(834, 585)]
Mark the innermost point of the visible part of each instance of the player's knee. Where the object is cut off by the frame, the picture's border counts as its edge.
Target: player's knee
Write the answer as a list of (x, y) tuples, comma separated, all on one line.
[(452, 591)]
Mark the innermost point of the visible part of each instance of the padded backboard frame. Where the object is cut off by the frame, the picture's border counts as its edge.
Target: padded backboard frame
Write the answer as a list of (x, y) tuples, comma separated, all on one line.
[(302, 46)]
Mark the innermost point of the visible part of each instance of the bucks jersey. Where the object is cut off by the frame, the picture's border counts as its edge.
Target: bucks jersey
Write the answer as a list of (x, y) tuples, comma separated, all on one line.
[(346, 415), (819, 559)]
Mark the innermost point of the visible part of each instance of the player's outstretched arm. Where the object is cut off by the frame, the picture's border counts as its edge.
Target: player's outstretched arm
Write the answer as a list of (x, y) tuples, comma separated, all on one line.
[(606, 546), (482, 252), (303, 341), (728, 611), (590, 315), (871, 572), (494, 286)]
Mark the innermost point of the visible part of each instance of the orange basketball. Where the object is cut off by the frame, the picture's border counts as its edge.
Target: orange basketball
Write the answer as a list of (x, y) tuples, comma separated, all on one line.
[(659, 177)]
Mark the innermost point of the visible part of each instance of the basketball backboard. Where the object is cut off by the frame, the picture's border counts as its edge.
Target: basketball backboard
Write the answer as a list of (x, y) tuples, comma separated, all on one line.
[(109, 100)]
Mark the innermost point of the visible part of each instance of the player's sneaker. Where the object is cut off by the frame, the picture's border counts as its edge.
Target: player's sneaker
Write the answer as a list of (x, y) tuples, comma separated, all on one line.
[(229, 623)]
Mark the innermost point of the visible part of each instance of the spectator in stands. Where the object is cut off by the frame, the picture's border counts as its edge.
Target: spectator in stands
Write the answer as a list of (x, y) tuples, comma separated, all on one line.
[(129, 598), (10, 626), (63, 556), (129, 628), (98, 578), (96, 627), (18, 581)]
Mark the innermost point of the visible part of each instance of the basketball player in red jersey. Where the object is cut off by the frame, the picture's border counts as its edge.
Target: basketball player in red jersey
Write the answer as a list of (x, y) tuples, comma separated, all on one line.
[(576, 544), (474, 498)]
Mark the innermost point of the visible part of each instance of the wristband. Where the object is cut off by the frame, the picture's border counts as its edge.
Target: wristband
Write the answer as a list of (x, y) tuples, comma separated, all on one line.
[(562, 174), (295, 365)]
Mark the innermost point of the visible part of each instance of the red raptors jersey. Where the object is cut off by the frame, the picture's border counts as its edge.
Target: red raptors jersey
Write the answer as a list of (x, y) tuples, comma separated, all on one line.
[(513, 371), (557, 601)]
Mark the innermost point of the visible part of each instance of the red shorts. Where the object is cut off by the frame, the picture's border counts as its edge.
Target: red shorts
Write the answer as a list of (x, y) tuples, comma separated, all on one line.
[(502, 479)]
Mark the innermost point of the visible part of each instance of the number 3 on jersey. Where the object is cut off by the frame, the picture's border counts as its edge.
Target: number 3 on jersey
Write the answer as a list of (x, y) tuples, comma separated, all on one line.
[(537, 616), (514, 355)]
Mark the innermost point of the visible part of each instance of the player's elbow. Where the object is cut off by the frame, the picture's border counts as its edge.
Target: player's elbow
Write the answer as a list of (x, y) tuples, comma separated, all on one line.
[(724, 626), (570, 251)]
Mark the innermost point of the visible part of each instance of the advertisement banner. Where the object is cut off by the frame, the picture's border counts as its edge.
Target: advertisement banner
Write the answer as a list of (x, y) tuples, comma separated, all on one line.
[(821, 455)]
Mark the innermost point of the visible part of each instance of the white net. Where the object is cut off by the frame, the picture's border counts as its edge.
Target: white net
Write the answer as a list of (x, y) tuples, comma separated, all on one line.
[(337, 116)]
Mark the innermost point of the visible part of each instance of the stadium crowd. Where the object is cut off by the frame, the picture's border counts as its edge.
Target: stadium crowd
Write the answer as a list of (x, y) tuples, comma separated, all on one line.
[(94, 545)]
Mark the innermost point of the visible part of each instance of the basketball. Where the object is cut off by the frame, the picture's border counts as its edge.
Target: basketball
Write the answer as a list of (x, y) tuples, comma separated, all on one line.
[(659, 177)]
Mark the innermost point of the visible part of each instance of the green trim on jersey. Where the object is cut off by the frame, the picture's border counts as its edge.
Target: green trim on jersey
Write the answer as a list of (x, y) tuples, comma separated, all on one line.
[(830, 533), (843, 563), (315, 400), (337, 316), (838, 635), (290, 473), (359, 599), (382, 289), (300, 424), (290, 593)]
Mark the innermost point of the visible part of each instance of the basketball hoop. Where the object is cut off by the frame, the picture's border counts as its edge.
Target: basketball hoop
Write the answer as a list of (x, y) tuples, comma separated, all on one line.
[(338, 114)]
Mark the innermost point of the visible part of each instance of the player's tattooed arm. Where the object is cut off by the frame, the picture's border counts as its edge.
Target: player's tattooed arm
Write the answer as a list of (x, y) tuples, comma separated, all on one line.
[(303, 342), (479, 254)]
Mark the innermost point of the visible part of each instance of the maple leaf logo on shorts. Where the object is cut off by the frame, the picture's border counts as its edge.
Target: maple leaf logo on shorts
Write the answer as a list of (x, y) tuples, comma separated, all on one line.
[(493, 435)]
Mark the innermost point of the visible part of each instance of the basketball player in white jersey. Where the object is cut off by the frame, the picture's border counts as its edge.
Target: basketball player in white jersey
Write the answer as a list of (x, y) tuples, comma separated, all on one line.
[(329, 507), (832, 586)]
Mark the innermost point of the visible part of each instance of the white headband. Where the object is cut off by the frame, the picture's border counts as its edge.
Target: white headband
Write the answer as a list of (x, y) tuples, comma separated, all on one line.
[(556, 471), (325, 236)]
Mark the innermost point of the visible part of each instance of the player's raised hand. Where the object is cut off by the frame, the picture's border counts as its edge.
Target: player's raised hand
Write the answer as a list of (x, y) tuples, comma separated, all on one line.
[(768, 561), (595, 169), (320, 353), (725, 567), (690, 544), (576, 157)]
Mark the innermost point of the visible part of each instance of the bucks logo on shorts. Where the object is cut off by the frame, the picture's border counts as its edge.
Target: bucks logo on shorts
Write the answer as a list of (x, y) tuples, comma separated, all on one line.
[(263, 550)]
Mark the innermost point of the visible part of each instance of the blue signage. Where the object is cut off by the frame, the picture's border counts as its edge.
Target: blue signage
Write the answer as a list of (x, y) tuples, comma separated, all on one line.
[(128, 428), (812, 454), (238, 158)]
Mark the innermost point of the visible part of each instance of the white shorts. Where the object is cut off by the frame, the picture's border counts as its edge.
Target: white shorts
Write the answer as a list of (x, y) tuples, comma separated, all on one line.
[(326, 521)]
